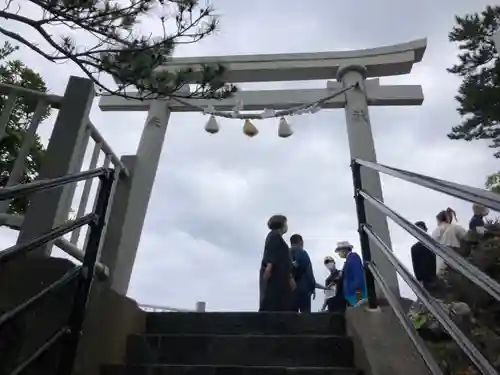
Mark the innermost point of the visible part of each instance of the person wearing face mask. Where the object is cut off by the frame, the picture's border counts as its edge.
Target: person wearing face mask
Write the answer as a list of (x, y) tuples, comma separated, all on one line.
[(276, 283), (353, 274), (303, 275), (334, 296)]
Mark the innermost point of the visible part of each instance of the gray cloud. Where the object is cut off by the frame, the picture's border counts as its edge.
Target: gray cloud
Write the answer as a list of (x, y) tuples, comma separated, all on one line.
[(205, 227)]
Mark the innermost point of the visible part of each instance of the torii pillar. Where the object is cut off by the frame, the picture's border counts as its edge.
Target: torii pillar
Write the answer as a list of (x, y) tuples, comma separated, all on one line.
[(348, 67), (362, 146)]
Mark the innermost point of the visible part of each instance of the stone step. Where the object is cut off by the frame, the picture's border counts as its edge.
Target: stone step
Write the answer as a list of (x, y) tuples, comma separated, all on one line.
[(238, 322), (241, 350), (223, 370)]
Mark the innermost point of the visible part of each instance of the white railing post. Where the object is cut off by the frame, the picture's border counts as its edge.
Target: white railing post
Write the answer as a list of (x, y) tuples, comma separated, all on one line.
[(200, 306)]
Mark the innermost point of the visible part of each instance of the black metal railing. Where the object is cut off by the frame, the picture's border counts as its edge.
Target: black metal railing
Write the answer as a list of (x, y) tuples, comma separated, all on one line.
[(83, 275), (450, 257)]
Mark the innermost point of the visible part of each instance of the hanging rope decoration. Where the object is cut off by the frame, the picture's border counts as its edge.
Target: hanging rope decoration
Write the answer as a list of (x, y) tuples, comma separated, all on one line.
[(249, 129)]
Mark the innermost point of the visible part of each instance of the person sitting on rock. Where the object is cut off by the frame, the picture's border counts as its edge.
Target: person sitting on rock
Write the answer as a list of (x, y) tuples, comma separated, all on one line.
[(353, 274), (476, 223)]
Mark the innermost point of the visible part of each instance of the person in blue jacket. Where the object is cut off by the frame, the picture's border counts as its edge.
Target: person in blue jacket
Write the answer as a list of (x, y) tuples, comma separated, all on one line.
[(303, 275), (353, 273)]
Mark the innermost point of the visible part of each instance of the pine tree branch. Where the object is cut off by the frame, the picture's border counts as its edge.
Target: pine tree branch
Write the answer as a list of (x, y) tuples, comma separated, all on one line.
[(130, 59)]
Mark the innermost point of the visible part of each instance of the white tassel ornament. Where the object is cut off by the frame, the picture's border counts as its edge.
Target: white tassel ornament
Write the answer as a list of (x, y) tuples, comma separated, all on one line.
[(212, 126), (249, 129), (284, 130)]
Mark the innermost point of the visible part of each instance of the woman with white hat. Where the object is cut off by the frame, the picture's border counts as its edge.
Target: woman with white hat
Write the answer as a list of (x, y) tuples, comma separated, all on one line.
[(353, 273)]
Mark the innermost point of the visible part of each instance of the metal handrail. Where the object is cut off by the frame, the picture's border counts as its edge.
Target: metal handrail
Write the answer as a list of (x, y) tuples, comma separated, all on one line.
[(450, 257), (433, 306), (401, 315), (14, 221), (464, 267), (22, 190), (25, 247), (84, 274), (453, 189)]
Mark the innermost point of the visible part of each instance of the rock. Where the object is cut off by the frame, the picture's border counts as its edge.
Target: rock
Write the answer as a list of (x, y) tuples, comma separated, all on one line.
[(461, 288), (461, 314), (430, 328)]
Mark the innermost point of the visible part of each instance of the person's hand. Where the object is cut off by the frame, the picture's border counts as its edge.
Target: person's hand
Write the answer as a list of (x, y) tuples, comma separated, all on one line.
[(267, 274), (314, 295), (293, 284), (358, 295)]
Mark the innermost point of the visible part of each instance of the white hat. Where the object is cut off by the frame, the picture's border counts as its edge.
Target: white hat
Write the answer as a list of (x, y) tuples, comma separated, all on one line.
[(343, 245)]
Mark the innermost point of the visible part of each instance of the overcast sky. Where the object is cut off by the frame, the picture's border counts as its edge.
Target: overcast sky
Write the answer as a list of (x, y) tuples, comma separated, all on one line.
[(206, 223)]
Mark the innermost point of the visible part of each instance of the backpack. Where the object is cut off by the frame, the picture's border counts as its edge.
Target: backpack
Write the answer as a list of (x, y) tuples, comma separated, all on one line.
[(297, 269)]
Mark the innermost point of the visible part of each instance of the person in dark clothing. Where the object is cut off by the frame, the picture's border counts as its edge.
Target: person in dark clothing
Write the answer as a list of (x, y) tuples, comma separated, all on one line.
[(334, 295), (276, 283), (303, 275), (424, 261), (476, 223)]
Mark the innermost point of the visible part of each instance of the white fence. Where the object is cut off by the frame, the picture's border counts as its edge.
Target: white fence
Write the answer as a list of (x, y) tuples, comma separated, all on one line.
[(200, 307)]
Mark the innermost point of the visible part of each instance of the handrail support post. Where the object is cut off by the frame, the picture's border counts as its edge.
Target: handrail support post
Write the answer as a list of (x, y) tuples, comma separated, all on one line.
[(77, 315), (363, 237)]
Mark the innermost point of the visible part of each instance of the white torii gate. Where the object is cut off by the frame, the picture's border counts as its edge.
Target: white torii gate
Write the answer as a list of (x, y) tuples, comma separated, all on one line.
[(347, 67)]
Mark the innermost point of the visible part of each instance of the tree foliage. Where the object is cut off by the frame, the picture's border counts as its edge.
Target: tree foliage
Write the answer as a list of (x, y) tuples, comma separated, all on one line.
[(119, 37), (479, 67), (14, 72), (493, 182), (479, 93)]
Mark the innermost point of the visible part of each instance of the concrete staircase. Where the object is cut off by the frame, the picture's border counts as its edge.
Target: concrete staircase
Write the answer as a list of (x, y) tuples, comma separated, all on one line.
[(239, 344)]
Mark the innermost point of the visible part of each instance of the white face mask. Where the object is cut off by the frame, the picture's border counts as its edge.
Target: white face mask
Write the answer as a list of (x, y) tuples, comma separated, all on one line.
[(330, 266)]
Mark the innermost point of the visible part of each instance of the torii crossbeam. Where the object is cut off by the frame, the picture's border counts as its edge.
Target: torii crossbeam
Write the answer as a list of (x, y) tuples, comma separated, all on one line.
[(347, 67)]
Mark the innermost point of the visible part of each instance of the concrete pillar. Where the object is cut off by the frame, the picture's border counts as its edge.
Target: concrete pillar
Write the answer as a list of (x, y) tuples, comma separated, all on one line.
[(361, 145), (131, 199), (118, 212), (64, 156)]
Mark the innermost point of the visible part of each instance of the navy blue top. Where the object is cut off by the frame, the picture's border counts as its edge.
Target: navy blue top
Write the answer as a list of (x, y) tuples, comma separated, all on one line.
[(476, 221), (306, 283)]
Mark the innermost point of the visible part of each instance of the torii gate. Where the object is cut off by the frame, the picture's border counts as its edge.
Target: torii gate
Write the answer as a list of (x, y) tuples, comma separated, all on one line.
[(348, 67)]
